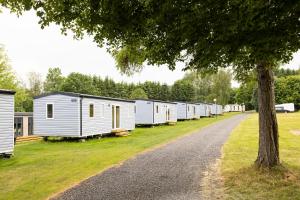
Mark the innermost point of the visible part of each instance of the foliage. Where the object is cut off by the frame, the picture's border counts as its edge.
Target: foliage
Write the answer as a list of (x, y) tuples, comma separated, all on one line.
[(183, 90), (129, 58), (76, 82), (281, 72), (288, 90), (35, 83), (54, 80), (138, 93), (210, 86), (8, 80), (244, 94), (206, 34)]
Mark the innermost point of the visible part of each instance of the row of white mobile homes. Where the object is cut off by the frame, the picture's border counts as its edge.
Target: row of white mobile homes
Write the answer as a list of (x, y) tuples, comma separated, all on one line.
[(78, 115), (67, 114), (151, 112), (234, 108), (6, 122)]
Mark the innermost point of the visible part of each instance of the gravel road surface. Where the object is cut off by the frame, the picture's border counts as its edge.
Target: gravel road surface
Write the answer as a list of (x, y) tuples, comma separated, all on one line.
[(172, 171)]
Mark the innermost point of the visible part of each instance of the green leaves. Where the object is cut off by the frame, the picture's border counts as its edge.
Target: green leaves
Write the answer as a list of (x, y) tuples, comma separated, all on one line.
[(206, 34)]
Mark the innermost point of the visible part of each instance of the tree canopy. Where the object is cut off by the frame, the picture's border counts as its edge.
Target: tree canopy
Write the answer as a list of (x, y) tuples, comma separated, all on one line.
[(138, 93), (205, 34), (54, 80)]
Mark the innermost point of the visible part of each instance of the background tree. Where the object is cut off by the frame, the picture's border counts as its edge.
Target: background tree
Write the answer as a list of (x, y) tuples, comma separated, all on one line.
[(54, 80), (35, 83), (221, 87), (288, 90), (210, 86), (138, 93), (183, 90), (80, 83), (281, 72), (8, 80)]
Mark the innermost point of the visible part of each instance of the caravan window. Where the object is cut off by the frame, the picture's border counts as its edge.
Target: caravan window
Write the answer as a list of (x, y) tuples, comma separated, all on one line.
[(91, 110), (49, 111), (157, 109)]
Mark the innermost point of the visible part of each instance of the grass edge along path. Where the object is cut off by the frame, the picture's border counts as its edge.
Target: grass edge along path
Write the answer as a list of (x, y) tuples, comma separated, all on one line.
[(40, 169), (242, 180)]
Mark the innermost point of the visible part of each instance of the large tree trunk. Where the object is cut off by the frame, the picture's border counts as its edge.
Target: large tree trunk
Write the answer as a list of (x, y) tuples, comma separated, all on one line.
[(268, 152)]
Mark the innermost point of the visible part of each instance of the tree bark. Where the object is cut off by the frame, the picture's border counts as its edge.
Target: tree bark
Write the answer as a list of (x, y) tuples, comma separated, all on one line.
[(268, 152)]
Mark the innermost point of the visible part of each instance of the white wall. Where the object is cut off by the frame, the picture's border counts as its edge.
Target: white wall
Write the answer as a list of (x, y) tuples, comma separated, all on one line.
[(102, 120), (66, 116), (6, 123), (143, 112), (181, 110)]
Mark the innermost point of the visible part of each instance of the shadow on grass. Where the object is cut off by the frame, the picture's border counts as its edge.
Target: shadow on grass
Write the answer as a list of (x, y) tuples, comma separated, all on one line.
[(281, 182)]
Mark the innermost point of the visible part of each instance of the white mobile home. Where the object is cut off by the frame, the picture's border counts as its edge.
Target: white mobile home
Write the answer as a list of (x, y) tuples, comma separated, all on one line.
[(79, 115), (216, 109), (6, 122), (151, 112), (286, 107), (203, 109), (187, 111)]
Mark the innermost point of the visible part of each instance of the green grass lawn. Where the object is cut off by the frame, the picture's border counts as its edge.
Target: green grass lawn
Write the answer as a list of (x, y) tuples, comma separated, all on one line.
[(41, 169), (243, 181)]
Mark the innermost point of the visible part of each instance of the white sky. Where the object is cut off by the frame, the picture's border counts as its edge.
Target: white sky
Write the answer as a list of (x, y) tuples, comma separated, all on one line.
[(32, 49)]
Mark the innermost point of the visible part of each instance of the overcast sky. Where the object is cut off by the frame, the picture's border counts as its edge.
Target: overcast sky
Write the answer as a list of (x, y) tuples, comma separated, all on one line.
[(32, 49)]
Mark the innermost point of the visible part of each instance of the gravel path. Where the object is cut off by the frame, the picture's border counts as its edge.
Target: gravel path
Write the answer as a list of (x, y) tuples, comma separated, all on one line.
[(173, 171)]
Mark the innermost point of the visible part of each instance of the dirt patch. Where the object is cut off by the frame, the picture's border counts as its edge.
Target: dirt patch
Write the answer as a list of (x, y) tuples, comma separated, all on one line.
[(212, 184), (295, 132)]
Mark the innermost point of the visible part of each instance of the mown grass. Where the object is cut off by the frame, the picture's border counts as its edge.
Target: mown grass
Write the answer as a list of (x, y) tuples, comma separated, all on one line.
[(244, 181), (41, 169)]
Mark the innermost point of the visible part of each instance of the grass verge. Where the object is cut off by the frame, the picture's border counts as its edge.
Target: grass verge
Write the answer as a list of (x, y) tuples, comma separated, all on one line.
[(41, 169), (243, 181)]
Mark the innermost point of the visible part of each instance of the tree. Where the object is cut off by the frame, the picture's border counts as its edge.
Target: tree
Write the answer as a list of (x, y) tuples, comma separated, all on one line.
[(247, 35), (244, 94), (8, 80), (138, 93), (281, 72), (35, 84), (54, 80), (210, 86), (80, 83), (183, 90), (288, 90)]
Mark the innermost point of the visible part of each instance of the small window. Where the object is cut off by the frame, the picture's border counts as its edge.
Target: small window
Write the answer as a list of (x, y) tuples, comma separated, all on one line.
[(49, 111), (91, 110), (134, 109), (188, 108), (157, 109)]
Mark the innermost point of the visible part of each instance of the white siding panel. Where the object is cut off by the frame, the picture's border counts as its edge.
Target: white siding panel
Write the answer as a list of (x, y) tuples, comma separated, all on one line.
[(102, 120), (66, 113), (201, 110), (181, 110), (6, 123), (144, 112)]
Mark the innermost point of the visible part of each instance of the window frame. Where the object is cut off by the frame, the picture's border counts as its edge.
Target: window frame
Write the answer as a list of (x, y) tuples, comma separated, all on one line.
[(47, 116), (93, 105)]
